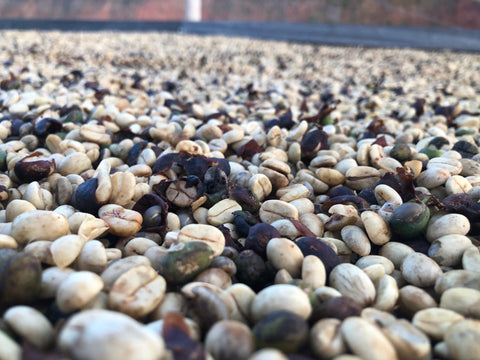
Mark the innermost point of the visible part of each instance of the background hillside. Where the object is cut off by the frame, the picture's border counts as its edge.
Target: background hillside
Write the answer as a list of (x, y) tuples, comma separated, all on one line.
[(433, 13)]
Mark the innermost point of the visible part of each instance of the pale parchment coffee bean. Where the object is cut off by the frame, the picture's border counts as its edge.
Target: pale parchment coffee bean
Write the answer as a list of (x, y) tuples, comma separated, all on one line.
[(66, 249), (419, 270), (463, 340), (366, 261), (123, 188), (272, 210), (276, 159), (63, 191), (96, 134), (326, 340), (448, 250), (17, 207), (337, 222), (31, 325), (75, 219), (172, 302), (207, 234), (362, 153), (304, 206), (260, 185), (9, 349), (330, 176), (457, 184), (286, 228), (66, 210), (41, 250), (113, 254), (233, 136), (451, 165), (446, 225), (52, 277), (103, 334), (377, 229), (74, 163), (155, 255), (377, 317), (6, 229), (124, 120), (346, 164), (294, 152), (121, 222), (292, 192), (356, 240), (457, 278), (386, 194), (104, 182), (313, 272), (298, 130), (39, 225), (189, 147), (117, 267), (388, 164), (93, 257), (470, 167), (137, 291), (283, 253), (91, 228), (463, 301), (352, 282), (140, 170), (387, 294), (435, 321), (181, 194), (375, 153), (280, 297), (8, 242), (243, 296), (409, 342), (366, 340), (325, 293), (268, 354), (215, 276), (200, 215), (396, 252), (323, 161), (42, 199), (319, 187), (313, 222), (77, 290), (277, 171), (222, 212), (230, 339), (362, 177), (138, 246), (471, 259), (217, 145), (441, 350), (412, 299), (374, 272), (433, 177)]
